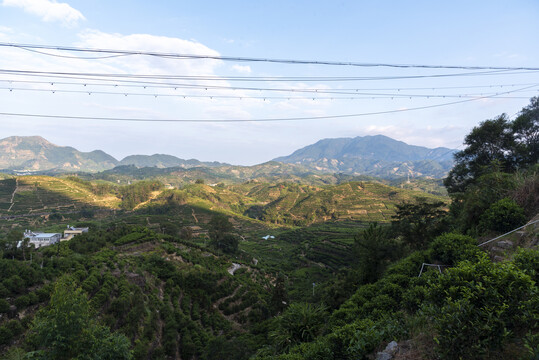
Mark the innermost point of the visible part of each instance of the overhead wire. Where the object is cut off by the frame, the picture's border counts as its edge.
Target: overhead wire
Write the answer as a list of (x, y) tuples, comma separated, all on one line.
[(75, 57), (196, 82), (341, 116), (102, 76), (358, 96), (254, 59), (348, 91)]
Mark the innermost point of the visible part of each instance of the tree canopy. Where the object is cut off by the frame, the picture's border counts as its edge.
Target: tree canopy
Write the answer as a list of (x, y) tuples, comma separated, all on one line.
[(512, 145), (65, 329)]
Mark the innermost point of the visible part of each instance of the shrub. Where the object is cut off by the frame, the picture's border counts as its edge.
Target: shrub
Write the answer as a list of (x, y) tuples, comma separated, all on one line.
[(4, 306), (476, 307), (528, 261), (502, 216), (301, 322), (452, 248)]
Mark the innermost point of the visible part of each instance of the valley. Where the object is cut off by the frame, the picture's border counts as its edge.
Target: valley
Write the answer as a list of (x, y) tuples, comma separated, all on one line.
[(273, 261)]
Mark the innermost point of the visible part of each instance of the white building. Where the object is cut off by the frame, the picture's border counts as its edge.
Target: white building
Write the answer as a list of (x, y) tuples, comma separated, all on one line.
[(42, 239)]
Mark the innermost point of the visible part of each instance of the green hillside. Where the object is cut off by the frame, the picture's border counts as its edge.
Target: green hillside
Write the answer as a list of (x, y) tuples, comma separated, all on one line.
[(280, 204), (25, 195), (278, 270), (296, 204)]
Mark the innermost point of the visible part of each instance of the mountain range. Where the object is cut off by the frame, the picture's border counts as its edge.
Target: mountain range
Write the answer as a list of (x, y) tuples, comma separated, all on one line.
[(37, 154), (378, 156)]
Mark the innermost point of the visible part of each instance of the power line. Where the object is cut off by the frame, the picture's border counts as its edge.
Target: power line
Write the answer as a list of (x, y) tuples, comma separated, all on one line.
[(75, 57), (359, 96), (254, 120), (252, 78), (253, 59), (348, 91)]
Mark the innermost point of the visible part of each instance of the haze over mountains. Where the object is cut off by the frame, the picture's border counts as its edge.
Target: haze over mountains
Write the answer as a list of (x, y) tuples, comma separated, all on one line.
[(377, 155), (36, 153)]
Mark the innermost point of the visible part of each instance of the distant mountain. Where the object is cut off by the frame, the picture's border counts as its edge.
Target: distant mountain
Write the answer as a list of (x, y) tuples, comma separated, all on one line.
[(377, 155), (164, 161), (37, 154)]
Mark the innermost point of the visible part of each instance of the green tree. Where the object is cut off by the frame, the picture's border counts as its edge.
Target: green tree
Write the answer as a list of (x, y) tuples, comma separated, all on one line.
[(374, 250), (526, 130), (493, 140), (11, 241), (220, 234), (418, 223), (65, 329), (467, 207), (512, 144)]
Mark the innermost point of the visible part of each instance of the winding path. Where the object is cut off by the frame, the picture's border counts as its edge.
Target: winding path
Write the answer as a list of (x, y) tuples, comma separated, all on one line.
[(13, 195)]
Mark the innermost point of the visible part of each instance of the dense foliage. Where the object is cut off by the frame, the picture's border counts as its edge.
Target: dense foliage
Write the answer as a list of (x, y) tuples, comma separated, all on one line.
[(170, 278)]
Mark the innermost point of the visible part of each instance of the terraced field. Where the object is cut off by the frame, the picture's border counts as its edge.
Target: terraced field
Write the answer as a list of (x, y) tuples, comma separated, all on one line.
[(7, 188), (38, 194), (313, 254)]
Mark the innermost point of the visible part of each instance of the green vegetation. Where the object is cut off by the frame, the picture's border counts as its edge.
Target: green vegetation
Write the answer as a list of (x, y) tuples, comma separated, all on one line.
[(320, 271), (221, 236), (65, 329)]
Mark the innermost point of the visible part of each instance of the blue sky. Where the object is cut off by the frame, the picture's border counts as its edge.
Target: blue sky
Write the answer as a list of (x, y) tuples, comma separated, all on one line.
[(467, 33)]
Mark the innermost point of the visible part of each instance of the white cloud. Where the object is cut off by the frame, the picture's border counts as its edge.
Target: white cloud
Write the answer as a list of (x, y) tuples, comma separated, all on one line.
[(242, 69), (48, 10), (141, 64)]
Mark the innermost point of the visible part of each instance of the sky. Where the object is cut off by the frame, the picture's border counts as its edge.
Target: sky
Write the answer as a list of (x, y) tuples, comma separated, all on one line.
[(420, 106)]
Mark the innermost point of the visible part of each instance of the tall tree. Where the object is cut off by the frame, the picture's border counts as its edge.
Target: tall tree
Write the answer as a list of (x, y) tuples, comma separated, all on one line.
[(526, 130), (418, 223), (374, 250), (512, 145), (493, 140), (220, 234), (11, 241)]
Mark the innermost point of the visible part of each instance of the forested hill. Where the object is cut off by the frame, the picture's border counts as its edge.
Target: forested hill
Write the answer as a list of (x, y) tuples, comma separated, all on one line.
[(285, 271), (377, 156), (163, 161), (373, 155)]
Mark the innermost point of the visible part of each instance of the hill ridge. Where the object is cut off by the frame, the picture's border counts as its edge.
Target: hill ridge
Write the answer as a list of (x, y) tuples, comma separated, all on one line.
[(375, 155)]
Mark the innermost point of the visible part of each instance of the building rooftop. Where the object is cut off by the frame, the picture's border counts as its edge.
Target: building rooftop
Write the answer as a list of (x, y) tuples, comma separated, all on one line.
[(46, 235)]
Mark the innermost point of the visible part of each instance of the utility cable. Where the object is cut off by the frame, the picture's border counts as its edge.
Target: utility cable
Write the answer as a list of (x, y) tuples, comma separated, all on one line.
[(254, 120), (347, 91), (253, 78), (253, 59), (359, 96)]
